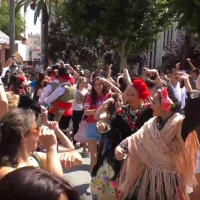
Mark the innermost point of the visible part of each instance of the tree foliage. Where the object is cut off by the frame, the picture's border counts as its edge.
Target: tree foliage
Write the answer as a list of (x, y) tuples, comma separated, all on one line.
[(77, 51), (127, 26), (5, 20), (175, 49), (44, 7), (188, 14)]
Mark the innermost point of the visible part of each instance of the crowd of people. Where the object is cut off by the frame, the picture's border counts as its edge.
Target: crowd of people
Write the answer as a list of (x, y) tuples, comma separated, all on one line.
[(140, 132)]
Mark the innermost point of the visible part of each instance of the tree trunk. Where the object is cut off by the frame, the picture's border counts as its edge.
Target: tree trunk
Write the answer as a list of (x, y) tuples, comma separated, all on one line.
[(186, 49), (123, 58), (124, 52), (46, 45), (123, 62)]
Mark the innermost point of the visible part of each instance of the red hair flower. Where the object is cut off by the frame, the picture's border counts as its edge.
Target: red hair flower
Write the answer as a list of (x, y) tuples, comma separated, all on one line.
[(142, 88), (166, 102), (21, 78), (119, 111)]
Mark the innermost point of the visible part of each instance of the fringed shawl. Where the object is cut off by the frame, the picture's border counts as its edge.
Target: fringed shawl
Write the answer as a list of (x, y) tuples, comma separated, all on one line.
[(161, 165)]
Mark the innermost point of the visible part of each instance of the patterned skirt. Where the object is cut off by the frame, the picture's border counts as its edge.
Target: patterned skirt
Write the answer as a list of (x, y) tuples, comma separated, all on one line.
[(102, 187)]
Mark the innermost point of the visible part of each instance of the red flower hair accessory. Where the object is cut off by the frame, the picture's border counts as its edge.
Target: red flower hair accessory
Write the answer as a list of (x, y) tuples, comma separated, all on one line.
[(142, 88), (166, 102), (21, 78)]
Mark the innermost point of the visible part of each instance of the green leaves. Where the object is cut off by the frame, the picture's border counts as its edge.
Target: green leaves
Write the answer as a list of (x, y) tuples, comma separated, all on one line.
[(37, 5), (188, 13), (116, 20), (4, 23), (22, 3), (39, 8)]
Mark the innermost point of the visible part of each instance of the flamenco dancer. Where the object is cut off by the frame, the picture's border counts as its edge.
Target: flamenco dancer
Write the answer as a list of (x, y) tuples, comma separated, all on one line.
[(161, 157)]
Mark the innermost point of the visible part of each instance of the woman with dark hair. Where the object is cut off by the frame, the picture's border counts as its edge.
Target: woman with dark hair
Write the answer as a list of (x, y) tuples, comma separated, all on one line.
[(161, 157), (17, 85), (29, 183), (152, 86), (124, 122), (93, 101), (109, 107), (38, 85), (20, 137)]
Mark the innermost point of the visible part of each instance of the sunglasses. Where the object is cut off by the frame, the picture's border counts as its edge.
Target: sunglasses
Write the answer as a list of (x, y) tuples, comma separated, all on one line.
[(35, 130)]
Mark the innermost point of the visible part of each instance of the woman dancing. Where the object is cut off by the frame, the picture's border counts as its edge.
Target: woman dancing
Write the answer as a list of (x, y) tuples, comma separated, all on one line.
[(124, 122), (162, 155)]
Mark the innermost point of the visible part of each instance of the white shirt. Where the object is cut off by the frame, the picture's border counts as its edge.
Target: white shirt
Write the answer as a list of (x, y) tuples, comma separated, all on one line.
[(56, 93), (47, 91), (180, 94), (78, 106)]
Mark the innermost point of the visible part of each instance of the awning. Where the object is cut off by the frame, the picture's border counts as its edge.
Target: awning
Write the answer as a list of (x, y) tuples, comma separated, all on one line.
[(18, 57), (4, 39)]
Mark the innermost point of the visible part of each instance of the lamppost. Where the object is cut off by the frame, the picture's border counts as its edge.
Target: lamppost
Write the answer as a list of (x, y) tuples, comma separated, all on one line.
[(12, 29)]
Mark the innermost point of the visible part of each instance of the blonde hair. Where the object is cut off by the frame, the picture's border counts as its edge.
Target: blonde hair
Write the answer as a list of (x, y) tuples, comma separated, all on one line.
[(80, 81), (13, 99)]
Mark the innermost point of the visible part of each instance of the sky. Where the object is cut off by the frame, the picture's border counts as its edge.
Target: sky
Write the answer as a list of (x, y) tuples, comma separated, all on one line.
[(31, 28)]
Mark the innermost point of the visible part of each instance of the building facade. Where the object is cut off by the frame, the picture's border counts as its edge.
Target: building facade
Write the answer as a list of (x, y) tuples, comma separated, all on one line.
[(156, 54), (34, 44)]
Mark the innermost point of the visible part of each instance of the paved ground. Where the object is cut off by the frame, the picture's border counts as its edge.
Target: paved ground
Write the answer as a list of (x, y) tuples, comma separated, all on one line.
[(80, 177)]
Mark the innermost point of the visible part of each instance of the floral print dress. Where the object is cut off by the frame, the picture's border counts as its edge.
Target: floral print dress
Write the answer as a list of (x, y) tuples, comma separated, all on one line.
[(105, 173)]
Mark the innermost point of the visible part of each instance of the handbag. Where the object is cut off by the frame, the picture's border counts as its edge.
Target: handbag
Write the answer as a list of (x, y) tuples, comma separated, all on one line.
[(80, 135)]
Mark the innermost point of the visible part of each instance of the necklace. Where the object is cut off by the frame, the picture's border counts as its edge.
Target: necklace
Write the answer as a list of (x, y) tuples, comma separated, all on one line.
[(161, 123)]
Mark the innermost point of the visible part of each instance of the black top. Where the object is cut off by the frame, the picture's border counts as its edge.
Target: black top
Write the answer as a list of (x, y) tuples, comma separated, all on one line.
[(27, 103), (123, 124)]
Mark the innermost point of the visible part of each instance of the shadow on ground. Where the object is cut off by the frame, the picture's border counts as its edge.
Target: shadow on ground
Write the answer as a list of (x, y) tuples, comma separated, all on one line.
[(83, 167)]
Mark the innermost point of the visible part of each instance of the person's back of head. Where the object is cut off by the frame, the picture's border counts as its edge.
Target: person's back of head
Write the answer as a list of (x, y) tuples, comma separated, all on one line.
[(29, 183), (15, 126)]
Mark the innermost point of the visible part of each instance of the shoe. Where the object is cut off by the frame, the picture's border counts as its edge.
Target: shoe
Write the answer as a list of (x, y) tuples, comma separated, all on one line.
[(88, 191)]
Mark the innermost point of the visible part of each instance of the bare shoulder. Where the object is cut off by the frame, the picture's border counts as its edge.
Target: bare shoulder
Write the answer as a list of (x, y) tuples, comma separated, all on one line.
[(5, 170)]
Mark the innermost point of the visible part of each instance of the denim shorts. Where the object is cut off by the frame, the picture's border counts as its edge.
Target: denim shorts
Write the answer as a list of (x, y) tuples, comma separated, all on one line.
[(91, 132), (198, 165)]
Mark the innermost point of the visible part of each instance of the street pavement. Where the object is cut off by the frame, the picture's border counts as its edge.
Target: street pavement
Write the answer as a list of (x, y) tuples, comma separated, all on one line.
[(79, 177)]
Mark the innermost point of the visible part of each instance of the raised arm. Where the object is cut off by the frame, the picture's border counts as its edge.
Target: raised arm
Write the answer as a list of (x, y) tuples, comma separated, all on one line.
[(198, 83), (190, 63), (114, 88), (102, 109), (109, 75), (74, 72), (50, 160), (3, 101), (192, 116)]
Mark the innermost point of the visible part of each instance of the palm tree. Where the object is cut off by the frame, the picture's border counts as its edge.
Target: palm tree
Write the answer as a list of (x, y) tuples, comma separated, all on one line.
[(40, 7)]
